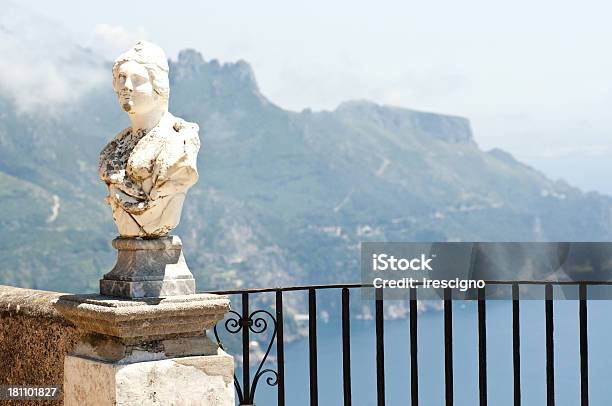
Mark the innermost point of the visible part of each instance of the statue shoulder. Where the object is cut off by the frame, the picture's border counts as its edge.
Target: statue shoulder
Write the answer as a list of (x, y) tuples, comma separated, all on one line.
[(188, 131), (105, 167), (112, 145), (186, 127), (121, 134), (116, 139)]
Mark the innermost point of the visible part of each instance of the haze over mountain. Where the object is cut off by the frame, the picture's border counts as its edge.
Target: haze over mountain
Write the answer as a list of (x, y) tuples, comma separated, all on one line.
[(283, 198)]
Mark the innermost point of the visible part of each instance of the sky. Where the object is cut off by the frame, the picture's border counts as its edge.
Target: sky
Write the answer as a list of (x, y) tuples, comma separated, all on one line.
[(533, 77)]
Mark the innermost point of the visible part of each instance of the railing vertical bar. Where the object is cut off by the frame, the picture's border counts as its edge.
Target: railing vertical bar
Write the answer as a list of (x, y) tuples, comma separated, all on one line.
[(346, 346), (482, 346), (312, 343), (280, 348), (246, 378), (380, 349), (516, 344), (584, 342), (414, 362), (550, 349), (448, 346)]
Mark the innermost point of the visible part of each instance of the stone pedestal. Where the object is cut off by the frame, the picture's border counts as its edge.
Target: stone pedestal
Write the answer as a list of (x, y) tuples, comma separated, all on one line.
[(148, 268), (187, 381), (149, 351)]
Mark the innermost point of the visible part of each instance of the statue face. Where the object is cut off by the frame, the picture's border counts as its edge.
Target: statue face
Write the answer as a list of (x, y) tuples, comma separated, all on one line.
[(134, 89)]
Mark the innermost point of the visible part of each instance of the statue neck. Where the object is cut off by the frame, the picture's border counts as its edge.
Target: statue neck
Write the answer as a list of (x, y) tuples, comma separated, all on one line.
[(148, 120)]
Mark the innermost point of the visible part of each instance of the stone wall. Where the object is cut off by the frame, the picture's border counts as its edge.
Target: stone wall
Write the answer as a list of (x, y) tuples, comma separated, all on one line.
[(34, 338)]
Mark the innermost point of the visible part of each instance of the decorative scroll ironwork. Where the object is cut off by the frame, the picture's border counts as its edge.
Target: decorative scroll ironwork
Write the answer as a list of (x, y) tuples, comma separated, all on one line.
[(256, 323)]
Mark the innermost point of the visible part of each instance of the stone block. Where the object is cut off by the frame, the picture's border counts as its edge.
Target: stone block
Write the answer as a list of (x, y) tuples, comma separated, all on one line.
[(197, 380)]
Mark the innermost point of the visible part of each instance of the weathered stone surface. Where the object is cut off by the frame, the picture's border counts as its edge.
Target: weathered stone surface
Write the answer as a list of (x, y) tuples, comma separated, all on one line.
[(29, 303), (203, 381), (148, 268), (144, 319), (171, 287), (34, 339), (151, 351), (122, 351), (148, 167)]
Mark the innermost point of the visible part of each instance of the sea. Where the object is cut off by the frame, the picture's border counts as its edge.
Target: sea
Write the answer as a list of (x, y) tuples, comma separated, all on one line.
[(465, 358)]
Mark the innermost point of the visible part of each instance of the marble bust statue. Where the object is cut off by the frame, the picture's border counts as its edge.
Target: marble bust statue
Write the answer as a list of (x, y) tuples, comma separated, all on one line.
[(149, 166)]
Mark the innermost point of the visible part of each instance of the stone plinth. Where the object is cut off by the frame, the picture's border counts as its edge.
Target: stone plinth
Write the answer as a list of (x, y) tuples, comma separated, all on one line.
[(148, 268), (204, 380), (149, 318), (146, 351)]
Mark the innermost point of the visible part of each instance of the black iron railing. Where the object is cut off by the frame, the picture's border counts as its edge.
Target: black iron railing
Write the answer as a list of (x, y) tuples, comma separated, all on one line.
[(249, 322)]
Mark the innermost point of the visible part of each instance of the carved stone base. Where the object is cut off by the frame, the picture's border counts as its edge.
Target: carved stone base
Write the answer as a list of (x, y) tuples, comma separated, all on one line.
[(148, 268), (145, 319), (147, 351)]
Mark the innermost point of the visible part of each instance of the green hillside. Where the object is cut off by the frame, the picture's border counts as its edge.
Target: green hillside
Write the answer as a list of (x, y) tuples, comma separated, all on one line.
[(283, 198)]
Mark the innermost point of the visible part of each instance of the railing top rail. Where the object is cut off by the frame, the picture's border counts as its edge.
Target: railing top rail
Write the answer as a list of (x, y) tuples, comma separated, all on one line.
[(292, 288), (369, 285)]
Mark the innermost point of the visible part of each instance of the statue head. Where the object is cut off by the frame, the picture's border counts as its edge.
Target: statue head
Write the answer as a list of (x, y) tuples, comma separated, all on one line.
[(140, 79)]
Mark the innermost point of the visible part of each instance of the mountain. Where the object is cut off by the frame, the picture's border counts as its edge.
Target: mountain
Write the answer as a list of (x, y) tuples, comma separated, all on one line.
[(284, 197)]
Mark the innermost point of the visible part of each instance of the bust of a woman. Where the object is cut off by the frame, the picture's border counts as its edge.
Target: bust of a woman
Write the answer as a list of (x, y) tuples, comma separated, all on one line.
[(149, 166)]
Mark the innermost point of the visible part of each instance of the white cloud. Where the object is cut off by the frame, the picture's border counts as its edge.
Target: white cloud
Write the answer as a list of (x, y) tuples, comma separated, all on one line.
[(41, 68), (111, 40)]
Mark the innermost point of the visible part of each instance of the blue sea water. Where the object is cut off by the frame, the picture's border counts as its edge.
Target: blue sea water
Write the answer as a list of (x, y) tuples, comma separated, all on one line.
[(465, 345)]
